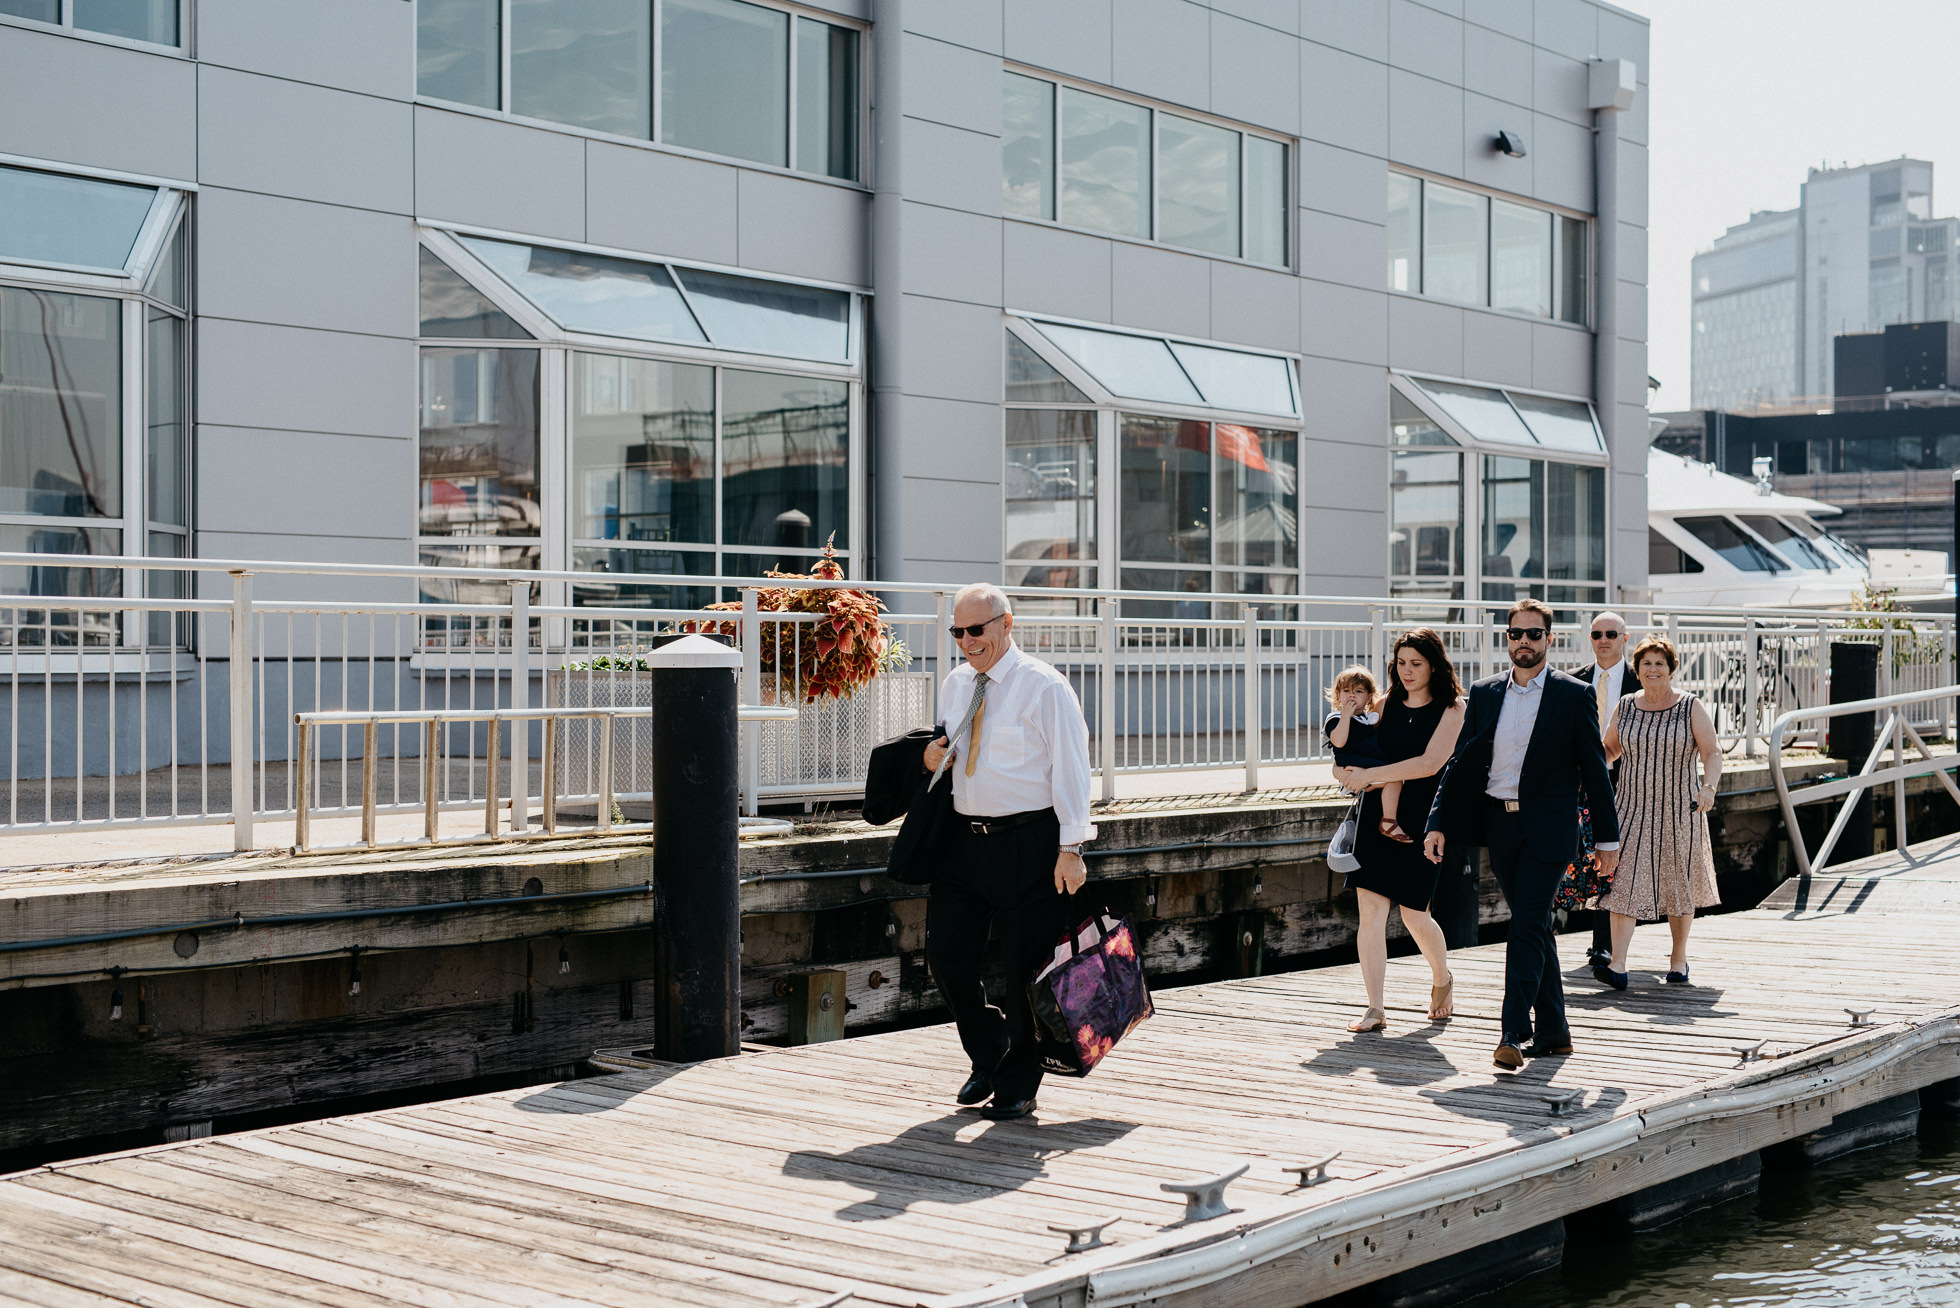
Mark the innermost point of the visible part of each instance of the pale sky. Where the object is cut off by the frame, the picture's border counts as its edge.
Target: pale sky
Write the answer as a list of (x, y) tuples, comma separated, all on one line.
[(1750, 94)]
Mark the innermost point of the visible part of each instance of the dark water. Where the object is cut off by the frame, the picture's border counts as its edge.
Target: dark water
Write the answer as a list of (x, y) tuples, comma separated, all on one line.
[(1880, 1228)]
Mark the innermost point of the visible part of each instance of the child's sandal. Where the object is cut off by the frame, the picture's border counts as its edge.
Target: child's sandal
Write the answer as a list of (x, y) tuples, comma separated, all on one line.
[(1389, 827)]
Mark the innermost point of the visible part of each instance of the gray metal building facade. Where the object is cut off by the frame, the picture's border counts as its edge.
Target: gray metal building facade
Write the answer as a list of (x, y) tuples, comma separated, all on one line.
[(687, 285)]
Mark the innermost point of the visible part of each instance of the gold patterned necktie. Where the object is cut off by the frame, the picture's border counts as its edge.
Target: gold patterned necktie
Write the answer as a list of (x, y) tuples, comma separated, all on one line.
[(970, 720), (979, 716), (1602, 679)]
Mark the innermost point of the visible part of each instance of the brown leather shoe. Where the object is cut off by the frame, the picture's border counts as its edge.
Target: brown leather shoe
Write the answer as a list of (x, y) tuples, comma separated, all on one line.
[(1509, 1057), (1548, 1048)]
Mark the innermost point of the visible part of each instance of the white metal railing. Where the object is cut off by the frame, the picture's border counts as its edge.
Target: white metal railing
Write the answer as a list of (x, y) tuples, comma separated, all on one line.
[(432, 801), (1893, 735), (137, 711)]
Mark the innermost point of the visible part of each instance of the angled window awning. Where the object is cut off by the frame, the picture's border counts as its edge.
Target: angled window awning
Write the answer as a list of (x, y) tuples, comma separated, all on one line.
[(88, 223), (647, 300), (1138, 367), (1487, 415)]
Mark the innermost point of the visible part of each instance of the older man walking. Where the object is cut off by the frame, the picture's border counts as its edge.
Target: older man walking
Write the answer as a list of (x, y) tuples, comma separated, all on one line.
[(1019, 762)]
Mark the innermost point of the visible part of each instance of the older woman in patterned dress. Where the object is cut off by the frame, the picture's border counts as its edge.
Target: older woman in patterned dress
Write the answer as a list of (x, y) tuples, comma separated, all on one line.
[(1667, 868)]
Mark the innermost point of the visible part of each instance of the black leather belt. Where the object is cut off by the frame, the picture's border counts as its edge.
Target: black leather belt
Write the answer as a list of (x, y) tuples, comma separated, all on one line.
[(993, 826), (1508, 805)]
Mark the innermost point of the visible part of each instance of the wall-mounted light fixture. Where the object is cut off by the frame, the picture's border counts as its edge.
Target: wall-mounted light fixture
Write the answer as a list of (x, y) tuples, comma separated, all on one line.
[(1511, 143)]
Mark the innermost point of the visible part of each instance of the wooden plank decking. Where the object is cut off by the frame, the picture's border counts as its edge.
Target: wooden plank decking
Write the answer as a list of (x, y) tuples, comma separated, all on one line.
[(787, 1176)]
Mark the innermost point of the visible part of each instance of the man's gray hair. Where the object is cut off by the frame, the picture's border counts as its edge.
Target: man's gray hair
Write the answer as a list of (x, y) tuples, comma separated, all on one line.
[(997, 602)]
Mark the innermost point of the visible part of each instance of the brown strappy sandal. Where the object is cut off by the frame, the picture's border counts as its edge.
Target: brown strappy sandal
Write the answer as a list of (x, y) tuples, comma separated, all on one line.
[(1389, 827), (1442, 1000), (1375, 1019)]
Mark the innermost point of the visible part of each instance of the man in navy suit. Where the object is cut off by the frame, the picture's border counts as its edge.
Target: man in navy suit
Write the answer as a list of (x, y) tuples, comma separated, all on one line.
[(1529, 741), (1610, 678)]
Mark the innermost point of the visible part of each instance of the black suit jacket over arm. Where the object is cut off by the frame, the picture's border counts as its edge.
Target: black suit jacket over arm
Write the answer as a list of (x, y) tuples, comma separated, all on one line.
[(1564, 753)]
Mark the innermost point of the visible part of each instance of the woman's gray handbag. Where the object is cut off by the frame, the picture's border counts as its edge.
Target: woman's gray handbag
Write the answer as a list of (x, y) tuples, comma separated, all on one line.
[(1340, 850)]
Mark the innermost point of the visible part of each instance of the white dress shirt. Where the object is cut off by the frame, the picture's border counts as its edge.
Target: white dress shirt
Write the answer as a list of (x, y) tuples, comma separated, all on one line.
[(1512, 738), (1515, 720), (1034, 744)]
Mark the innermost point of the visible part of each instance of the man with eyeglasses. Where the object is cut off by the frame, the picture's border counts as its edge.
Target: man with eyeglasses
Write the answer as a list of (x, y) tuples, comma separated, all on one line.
[(1610, 678), (1530, 740), (1019, 761)]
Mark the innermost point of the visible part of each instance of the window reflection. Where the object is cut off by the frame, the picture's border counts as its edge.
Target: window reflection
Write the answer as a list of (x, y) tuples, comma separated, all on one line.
[(1027, 147), (1514, 525), (1031, 379), (1520, 259), (1197, 185), (135, 20), (785, 445), (643, 450), (1165, 510), (1051, 497), (724, 78), (1105, 163), (457, 50), (479, 443), (615, 589), (453, 307), (60, 404), (1266, 201), (593, 292), (164, 406), (48, 218), (1258, 525), (1455, 231), (585, 63), (764, 317), (43, 627), (826, 98)]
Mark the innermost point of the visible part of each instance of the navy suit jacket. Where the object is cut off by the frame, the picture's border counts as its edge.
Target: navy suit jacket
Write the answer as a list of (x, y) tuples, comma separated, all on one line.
[(1564, 753)]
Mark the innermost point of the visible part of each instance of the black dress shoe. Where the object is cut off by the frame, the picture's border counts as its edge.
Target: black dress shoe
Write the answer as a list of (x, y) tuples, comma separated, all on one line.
[(1597, 958), (979, 1088), (1541, 1048), (1002, 1112), (1603, 973)]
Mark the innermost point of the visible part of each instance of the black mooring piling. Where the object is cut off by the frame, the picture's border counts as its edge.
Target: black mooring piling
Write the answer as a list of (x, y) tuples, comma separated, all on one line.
[(698, 920)]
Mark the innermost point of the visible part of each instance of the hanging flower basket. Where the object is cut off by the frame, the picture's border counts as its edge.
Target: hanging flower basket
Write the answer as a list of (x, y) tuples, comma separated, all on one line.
[(831, 658)]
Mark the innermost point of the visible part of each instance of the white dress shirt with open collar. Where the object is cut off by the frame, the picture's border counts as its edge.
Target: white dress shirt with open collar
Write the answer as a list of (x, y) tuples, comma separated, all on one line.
[(1512, 738), (1034, 744)]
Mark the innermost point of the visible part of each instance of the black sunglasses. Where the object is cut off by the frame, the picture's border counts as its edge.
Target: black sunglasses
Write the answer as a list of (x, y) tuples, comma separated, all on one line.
[(1526, 633), (961, 633), (1608, 635)]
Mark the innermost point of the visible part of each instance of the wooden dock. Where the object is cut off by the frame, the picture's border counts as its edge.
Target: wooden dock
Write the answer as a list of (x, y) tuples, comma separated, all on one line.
[(796, 1176)]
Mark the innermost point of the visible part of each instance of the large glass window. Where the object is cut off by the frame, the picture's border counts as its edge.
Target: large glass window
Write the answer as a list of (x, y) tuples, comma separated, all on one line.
[(453, 307), (479, 446), (1736, 546), (1404, 233), (164, 413), (584, 63), (826, 99), (1425, 537), (1457, 244), (1051, 497), (724, 79), (1178, 372), (643, 450), (457, 49), (1164, 512), (1543, 523), (136, 20), (1258, 490), (784, 458), (1113, 165), (1520, 259), (1198, 185), (1797, 551), (1027, 147), (593, 292), (1105, 161), (1032, 379), (60, 404), (1666, 559), (734, 78)]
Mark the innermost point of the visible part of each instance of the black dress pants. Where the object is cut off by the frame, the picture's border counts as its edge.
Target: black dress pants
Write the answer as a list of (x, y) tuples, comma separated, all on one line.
[(1531, 974), (1004, 881)]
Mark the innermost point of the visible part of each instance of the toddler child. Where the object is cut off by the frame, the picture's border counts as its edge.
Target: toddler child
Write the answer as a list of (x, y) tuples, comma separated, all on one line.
[(1351, 731)]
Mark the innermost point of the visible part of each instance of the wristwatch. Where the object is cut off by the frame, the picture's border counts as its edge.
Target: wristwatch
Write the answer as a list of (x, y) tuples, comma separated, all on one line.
[(1075, 849)]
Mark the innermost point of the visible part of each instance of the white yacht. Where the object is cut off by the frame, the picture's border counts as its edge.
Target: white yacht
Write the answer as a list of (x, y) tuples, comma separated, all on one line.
[(1713, 539)]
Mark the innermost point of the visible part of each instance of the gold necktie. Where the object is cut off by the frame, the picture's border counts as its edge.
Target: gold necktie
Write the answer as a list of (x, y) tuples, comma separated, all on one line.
[(973, 740), (1604, 697)]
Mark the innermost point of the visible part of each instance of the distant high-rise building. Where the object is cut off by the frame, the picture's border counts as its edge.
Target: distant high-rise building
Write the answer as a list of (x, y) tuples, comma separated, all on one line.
[(1859, 252)]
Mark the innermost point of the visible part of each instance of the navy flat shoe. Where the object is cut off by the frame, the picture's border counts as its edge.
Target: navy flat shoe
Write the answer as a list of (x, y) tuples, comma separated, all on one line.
[(1618, 980), (1677, 978)]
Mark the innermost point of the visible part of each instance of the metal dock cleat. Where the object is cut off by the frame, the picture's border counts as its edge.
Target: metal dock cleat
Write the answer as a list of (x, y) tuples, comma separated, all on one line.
[(1749, 1053), (1861, 1016), (1312, 1173), (1205, 1197), (1557, 1101), (1086, 1236)]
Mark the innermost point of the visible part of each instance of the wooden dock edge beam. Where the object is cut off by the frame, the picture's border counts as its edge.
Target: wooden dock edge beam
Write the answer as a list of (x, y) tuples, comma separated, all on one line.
[(1317, 1248)]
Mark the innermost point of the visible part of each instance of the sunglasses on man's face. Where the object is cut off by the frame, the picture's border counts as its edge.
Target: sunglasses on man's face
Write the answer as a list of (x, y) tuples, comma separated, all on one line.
[(961, 633), (1526, 633), (1608, 635)]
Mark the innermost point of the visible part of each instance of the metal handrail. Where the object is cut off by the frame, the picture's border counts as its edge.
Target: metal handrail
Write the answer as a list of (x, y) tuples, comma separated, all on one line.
[(1893, 735), (433, 720)]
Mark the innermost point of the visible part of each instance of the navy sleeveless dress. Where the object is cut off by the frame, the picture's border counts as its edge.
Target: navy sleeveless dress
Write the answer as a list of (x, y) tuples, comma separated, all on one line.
[(1398, 871)]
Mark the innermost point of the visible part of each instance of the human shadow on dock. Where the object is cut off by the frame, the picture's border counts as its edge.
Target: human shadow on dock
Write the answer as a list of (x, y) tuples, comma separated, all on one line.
[(1649, 999), (1516, 1100), (934, 1162), (1411, 1059)]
